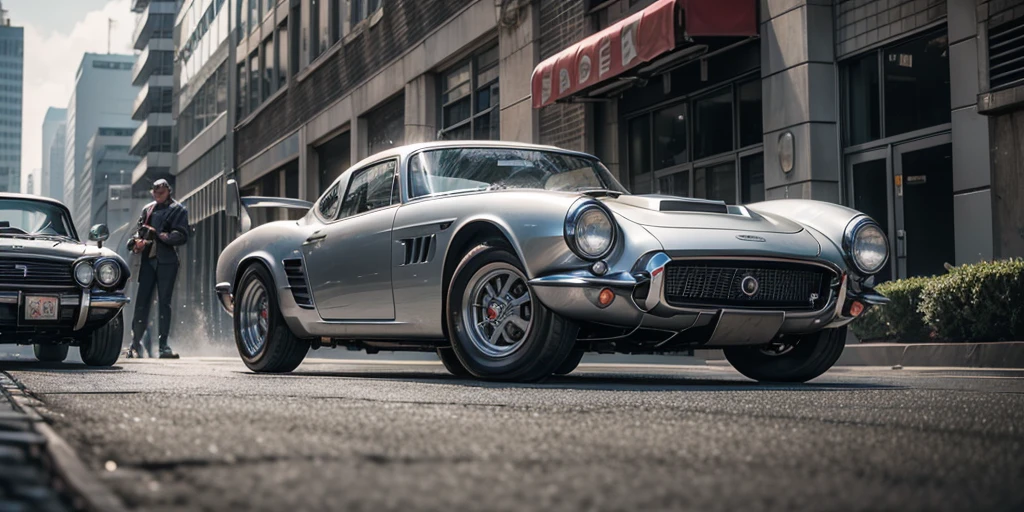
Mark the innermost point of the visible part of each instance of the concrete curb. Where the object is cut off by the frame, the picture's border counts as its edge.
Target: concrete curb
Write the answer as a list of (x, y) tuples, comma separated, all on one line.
[(83, 483), (1007, 354)]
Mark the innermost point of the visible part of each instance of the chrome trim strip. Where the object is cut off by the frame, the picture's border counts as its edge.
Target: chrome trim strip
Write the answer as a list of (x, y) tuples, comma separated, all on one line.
[(10, 297), (83, 310), (111, 301), (621, 280)]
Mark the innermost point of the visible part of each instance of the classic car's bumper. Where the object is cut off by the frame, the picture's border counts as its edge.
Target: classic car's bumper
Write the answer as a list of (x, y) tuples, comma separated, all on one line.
[(227, 300), (77, 312), (639, 303)]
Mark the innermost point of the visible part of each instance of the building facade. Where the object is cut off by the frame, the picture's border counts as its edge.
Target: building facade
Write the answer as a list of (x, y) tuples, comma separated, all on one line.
[(51, 182), (103, 96), (12, 58), (108, 162), (153, 74), (205, 53)]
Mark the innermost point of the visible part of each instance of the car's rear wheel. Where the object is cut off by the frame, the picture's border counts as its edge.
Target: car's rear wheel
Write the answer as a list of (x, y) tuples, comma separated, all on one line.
[(50, 353), (103, 346), (497, 329), (571, 363), (789, 359), (451, 362), (264, 341)]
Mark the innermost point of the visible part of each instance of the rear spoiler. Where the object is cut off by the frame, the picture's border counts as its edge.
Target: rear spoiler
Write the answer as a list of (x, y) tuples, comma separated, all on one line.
[(239, 207)]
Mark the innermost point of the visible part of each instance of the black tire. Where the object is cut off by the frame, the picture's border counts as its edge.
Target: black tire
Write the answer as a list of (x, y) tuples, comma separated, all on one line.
[(812, 355), (570, 363), (104, 345), (545, 345), (451, 362), (282, 351), (50, 353)]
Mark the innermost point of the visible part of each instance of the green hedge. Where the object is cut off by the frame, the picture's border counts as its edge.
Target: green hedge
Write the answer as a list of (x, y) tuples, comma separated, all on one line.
[(977, 302)]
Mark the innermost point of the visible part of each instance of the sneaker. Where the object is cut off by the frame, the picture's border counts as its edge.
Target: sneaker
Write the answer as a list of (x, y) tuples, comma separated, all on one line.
[(133, 353), (167, 353)]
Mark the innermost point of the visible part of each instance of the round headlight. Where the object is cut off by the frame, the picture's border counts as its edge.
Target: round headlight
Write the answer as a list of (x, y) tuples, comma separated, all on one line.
[(108, 273), (869, 248), (590, 232), (84, 273)]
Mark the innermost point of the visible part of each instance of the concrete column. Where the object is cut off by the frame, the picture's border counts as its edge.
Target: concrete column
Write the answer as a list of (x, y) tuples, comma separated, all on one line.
[(421, 109), (972, 174), (519, 48), (309, 168), (799, 91), (359, 149)]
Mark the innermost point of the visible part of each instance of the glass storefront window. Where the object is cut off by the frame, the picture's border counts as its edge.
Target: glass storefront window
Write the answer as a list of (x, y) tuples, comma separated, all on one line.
[(712, 133), (752, 178), (676, 184), (862, 101), (670, 144), (716, 182), (917, 91), (640, 155), (749, 100), (386, 126)]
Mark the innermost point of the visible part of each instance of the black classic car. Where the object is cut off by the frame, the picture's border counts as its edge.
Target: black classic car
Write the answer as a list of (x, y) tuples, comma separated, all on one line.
[(56, 291)]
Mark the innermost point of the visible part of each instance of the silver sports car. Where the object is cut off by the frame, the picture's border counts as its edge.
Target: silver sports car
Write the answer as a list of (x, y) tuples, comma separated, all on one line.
[(56, 291), (513, 260)]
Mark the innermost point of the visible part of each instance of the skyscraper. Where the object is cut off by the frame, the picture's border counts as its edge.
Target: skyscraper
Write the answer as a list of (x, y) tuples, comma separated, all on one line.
[(51, 182), (154, 106), (11, 63), (103, 97)]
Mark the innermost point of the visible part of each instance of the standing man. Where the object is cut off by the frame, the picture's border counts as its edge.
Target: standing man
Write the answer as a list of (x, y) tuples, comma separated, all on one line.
[(163, 226)]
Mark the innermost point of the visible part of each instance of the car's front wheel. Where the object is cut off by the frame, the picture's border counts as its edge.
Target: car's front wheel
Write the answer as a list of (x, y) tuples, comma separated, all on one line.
[(103, 346), (791, 358), (264, 341), (497, 329), (50, 353)]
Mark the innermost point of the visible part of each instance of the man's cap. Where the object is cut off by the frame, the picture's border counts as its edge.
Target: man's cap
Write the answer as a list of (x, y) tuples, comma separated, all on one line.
[(161, 183)]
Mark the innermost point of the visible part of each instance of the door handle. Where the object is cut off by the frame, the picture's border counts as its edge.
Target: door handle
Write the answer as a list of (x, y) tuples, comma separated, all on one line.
[(314, 238), (901, 243)]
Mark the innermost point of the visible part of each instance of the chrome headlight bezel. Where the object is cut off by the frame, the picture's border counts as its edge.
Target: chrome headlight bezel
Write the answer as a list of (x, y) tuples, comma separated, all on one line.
[(853, 231), (109, 263), (571, 231), (85, 266)]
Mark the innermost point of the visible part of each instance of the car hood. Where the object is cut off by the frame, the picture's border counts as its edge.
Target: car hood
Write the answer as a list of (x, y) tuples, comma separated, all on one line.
[(70, 250), (678, 212)]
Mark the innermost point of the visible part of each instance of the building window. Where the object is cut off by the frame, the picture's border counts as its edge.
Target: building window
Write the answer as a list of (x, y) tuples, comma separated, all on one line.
[(254, 82), (470, 99), (898, 89), (386, 126), (334, 157), (752, 178), (334, 14), (255, 14), (713, 120), (749, 101), (362, 9), (282, 56), (295, 41), (242, 92), (314, 30), (1005, 55), (269, 72), (670, 144)]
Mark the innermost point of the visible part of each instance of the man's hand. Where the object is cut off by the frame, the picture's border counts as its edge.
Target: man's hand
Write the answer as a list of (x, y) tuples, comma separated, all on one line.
[(163, 237), (148, 227), (140, 245)]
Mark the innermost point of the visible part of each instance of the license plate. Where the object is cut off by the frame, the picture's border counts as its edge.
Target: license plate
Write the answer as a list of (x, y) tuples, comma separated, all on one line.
[(41, 308)]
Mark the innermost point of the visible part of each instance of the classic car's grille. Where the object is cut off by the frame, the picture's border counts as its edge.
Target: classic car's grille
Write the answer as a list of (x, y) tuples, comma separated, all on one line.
[(297, 282), (29, 272), (790, 286)]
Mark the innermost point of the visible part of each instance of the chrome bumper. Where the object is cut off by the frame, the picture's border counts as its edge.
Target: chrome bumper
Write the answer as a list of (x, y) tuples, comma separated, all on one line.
[(640, 303), (227, 300), (86, 300)]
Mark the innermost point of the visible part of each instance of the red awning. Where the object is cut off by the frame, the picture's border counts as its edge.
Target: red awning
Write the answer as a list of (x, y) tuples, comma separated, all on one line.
[(636, 40)]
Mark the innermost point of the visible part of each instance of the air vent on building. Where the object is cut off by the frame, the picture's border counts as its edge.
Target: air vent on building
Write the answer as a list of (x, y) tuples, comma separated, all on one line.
[(418, 250), (1006, 54)]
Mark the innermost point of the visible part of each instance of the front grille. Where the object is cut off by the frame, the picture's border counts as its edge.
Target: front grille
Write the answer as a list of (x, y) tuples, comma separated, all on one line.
[(297, 282), (786, 286), (32, 272)]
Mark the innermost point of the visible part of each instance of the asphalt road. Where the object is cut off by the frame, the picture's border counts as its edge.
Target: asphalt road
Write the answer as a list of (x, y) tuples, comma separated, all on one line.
[(205, 434)]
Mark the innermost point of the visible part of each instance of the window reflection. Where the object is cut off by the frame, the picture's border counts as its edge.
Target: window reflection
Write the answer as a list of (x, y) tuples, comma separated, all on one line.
[(713, 124), (716, 182)]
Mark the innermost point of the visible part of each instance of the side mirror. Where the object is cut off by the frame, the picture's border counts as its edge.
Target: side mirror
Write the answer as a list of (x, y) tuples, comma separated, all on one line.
[(99, 233), (233, 201)]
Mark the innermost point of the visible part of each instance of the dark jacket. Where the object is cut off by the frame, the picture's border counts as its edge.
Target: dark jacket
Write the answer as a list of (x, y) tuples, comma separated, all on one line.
[(171, 218)]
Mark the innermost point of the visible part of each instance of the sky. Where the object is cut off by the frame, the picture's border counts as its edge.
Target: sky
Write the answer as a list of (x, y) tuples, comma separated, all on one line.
[(57, 34)]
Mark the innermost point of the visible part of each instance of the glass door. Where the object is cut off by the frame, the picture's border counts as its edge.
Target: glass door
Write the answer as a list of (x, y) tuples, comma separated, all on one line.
[(869, 176), (924, 206)]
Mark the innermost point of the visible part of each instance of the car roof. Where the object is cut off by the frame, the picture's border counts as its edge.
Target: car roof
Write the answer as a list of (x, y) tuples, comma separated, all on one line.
[(406, 150), (31, 197)]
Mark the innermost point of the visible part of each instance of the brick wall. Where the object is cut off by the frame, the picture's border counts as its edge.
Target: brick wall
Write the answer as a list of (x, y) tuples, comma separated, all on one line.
[(404, 23), (562, 23), (862, 23), (997, 12)]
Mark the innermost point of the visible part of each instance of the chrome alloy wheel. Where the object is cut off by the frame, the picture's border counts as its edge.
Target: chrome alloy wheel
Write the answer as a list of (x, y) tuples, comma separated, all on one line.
[(497, 309), (254, 310)]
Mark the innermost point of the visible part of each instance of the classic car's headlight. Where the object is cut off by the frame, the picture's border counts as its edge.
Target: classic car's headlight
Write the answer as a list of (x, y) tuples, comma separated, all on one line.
[(867, 246), (108, 272), (590, 231), (84, 273)]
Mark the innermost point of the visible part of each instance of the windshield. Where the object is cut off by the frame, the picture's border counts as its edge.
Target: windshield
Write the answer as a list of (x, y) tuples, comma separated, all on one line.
[(445, 171), (21, 217)]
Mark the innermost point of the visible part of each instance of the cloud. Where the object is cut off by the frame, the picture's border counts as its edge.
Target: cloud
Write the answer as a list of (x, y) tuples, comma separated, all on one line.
[(51, 61)]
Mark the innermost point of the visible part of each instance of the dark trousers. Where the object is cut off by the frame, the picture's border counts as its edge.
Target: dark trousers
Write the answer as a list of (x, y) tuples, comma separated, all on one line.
[(160, 276)]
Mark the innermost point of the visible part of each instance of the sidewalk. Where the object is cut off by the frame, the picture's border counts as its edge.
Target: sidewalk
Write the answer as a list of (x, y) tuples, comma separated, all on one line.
[(1006, 354)]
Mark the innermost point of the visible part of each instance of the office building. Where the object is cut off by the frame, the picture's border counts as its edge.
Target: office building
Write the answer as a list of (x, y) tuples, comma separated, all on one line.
[(51, 182), (153, 73), (12, 57)]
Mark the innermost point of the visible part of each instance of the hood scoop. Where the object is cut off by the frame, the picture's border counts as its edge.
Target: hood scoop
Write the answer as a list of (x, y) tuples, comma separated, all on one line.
[(660, 203)]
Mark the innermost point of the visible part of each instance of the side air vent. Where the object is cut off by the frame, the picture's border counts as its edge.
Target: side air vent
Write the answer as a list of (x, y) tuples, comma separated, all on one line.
[(418, 250), (297, 282)]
